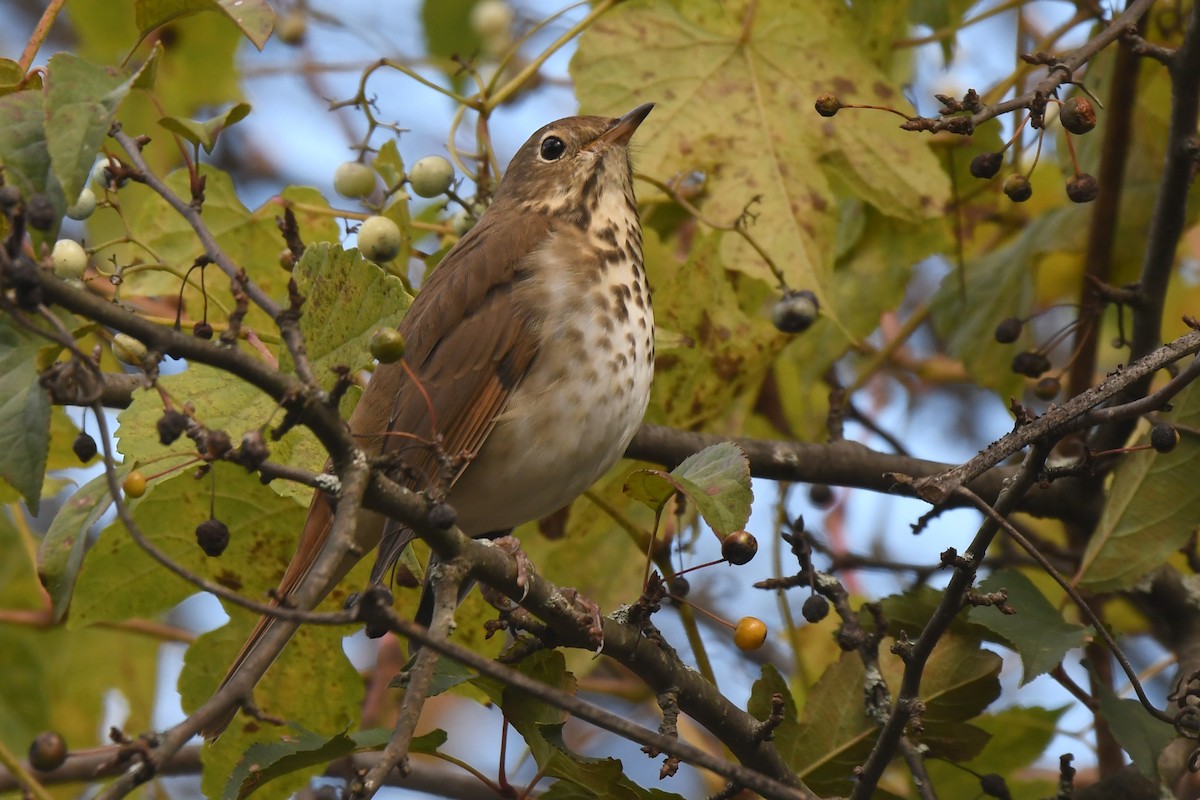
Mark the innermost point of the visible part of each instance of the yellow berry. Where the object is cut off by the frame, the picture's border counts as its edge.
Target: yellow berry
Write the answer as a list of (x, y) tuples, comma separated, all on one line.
[(135, 484), (750, 633)]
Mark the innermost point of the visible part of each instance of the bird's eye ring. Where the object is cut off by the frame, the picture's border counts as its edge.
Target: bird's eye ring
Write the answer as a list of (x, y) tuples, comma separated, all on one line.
[(552, 148)]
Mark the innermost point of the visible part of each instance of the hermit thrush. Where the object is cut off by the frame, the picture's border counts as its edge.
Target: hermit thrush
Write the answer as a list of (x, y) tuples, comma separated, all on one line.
[(532, 349)]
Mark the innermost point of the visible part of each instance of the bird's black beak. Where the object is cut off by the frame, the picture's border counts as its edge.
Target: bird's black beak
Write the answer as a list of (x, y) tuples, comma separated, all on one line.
[(622, 129)]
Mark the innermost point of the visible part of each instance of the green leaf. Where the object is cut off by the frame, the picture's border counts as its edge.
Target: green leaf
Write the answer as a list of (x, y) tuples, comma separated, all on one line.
[(81, 104), (24, 412), (254, 18), (1019, 737), (1037, 631), (718, 313), (833, 736), (60, 555), (347, 298), (717, 480), (24, 153), (1152, 508), (204, 134), (1142, 736), (753, 62), (303, 749), (1000, 284), (540, 724), (11, 75), (446, 36), (120, 581)]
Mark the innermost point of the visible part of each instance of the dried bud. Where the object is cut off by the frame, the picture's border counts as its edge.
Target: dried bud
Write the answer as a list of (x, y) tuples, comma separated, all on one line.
[(213, 537), (1009, 330), (1082, 188), (739, 547), (171, 426), (986, 165), (828, 105), (1164, 437), (1017, 188), (1077, 115), (1030, 363), (815, 608), (254, 449)]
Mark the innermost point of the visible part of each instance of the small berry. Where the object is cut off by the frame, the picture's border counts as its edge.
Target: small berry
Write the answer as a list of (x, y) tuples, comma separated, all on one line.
[(1164, 437), (986, 165), (1009, 330), (1077, 115), (387, 345), (739, 547), (84, 207), (171, 426), (39, 212), (431, 176), (828, 105), (353, 179), (287, 259), (128, 349), (202, 330), (84, 447), (815, 608), (1082, 188), (213, 537), (993, 785), (69, 259), (1047, 388), (679, 586), (103, 173), (796, 311), (379, 239), (462, 221), (135, 484), (750, 633), (1017, 188), (10, 196), (821, 496), (292, 28), (48, 751), (492, 21), (1030, 363)]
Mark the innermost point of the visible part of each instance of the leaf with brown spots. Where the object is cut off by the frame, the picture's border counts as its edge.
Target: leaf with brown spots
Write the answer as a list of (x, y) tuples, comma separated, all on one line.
[(734, 84)]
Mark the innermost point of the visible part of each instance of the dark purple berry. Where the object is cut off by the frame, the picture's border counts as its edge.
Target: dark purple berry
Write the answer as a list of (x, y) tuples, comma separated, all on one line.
[(213, 537)]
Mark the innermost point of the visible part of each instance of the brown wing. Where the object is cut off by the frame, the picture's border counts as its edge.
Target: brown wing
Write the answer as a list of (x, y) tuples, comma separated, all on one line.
[(467, 345)]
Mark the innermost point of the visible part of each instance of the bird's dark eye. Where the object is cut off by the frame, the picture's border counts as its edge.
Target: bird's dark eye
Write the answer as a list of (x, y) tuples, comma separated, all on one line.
[(553, 148)]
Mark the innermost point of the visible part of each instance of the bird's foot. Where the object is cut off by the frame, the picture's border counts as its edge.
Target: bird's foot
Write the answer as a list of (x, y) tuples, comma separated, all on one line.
[(525, 567)]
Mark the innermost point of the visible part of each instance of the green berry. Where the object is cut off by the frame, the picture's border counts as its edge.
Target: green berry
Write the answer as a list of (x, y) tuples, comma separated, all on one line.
[(128, 349), (379, 239), (431, 176), (68, 258), (387, 345), (354, 179), (84, 207)]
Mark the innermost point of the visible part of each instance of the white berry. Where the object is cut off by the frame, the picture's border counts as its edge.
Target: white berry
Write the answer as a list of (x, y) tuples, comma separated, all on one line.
[(379, 239), (431, 176), (492, 21), (128, 349), (84, 207), (68, 258), (354, 179)]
